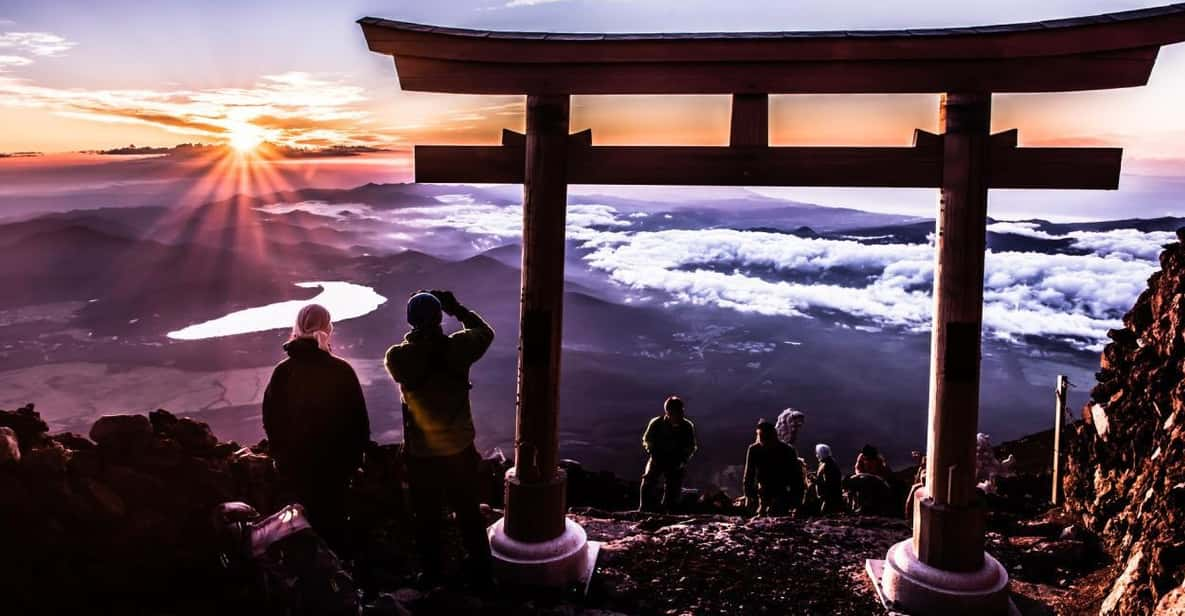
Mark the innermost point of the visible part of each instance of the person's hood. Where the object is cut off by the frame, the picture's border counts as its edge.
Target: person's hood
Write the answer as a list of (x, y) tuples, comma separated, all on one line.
[(302, 347)]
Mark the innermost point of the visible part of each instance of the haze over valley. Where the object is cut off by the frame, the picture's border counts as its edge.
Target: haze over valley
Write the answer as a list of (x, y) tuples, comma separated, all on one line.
[(744, 302)]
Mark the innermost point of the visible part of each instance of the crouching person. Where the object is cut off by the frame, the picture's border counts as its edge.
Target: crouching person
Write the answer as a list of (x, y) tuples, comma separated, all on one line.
[(315, 418), (670, 441), (432, 370), (773, 474)]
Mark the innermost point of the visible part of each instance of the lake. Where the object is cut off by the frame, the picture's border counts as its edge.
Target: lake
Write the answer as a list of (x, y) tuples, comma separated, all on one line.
[(344, 300)]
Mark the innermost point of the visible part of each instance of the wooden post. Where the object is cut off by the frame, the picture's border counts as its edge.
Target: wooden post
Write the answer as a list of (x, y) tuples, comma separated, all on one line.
[(535, 487), (948, 523), (750, 120), (1059, 419)]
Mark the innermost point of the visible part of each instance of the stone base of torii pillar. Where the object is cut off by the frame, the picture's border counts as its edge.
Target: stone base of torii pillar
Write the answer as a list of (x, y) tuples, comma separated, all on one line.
[(541, 547), (907, 585), (566, 561)]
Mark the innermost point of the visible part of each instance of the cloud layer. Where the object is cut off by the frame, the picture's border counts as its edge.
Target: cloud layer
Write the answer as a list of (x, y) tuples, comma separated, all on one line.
[(1070, 298), (17, 47)]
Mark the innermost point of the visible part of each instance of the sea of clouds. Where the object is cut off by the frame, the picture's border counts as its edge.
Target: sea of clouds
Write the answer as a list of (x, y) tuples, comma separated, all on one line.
[(1069, 298)]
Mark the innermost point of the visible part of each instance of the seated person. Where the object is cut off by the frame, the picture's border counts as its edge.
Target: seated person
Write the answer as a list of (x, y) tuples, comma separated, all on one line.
[(871, 462)]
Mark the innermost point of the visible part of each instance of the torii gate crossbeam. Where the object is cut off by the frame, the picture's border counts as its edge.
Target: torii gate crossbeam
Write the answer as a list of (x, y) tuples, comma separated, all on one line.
[(943, 569)]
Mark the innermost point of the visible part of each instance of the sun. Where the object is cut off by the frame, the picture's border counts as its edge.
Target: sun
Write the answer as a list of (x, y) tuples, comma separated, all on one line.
[(245, 137)]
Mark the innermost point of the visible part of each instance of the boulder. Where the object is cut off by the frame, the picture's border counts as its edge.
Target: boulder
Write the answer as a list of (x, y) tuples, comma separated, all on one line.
[(48, 459), (122, 433), (27, 424), (162, 421), (10, 447), (74, 442), (195, 436)]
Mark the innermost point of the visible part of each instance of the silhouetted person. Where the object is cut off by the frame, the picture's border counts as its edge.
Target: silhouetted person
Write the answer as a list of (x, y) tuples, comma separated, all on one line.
[(828, 481), (871, 462), (670, 441), (317, 428), (432, 370), (773, 475)]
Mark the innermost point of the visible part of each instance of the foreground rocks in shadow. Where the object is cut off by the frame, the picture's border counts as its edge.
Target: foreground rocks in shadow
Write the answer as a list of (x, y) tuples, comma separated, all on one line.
[(120, 522), (1126, 469), (124, 518)]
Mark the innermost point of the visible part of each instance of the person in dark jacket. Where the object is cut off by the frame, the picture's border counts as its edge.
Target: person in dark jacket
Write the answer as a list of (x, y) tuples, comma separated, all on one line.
[(670, 441), (317, 427), (828, 481), (773, 475), (432, 370)]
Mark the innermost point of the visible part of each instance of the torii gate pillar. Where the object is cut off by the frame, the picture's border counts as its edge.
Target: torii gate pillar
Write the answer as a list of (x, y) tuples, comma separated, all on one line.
[(943, 568), (535, 543)]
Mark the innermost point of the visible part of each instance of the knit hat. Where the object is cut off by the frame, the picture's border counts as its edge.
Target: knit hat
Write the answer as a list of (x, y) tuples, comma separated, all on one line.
[(423, 310)]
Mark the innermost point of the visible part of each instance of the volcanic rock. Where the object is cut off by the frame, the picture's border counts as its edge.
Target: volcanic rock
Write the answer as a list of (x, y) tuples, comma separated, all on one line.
[(193, 436), (122, 433), (1172, 603), (73, 441), (1126, 481), (48, 459), (10, 447), (27, 424)]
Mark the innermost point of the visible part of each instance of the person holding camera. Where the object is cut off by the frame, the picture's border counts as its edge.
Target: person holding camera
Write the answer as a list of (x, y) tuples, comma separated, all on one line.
[(432, 370)]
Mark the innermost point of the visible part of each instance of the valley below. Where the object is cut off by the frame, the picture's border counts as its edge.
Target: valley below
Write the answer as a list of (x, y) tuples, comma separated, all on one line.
[(744, 305)]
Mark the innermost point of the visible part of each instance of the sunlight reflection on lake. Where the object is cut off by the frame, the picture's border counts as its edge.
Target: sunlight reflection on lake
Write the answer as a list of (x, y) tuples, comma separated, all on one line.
[(344, 301)]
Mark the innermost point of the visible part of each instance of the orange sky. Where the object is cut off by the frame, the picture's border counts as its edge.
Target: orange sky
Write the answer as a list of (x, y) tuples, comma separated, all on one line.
[(78, 81)]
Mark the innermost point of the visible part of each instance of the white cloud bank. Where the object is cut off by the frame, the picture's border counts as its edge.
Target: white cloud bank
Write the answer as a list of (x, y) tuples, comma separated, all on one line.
[(42, 44), (1069, 298), (1121, 243), (17, 47)]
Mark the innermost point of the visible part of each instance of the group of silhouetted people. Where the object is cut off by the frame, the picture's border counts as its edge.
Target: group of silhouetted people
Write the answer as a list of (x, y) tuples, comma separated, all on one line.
[(775, 480), (317, 426)]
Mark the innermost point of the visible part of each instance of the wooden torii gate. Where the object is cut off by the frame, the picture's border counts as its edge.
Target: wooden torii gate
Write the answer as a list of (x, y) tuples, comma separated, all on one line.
[(944, 567)]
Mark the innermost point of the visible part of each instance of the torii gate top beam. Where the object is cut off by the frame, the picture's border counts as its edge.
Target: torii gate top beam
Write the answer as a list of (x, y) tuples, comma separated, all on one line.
[(1099, 52)]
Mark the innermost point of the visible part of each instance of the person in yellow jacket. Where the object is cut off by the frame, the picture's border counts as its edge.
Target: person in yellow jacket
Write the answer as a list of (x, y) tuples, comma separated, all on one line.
[(432, 370)]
